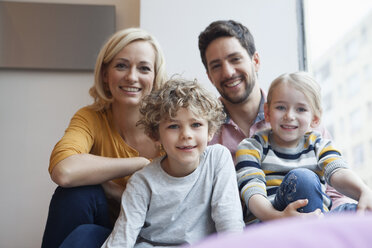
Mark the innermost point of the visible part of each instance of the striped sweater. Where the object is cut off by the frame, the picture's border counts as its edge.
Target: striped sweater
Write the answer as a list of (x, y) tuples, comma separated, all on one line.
[(261, 165)]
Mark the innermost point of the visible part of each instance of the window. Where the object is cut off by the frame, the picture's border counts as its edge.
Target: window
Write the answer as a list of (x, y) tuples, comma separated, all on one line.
[(354, 85), (339, 41), (358, 155)]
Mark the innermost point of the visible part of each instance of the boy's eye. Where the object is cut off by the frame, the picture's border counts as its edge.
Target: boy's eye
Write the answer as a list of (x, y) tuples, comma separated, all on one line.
[(173, 126), (196, 124)]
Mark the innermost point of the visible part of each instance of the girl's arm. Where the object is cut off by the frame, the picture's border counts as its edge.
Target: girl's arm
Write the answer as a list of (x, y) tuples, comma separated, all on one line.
[(88, 169), (262, 208), (350, 184)]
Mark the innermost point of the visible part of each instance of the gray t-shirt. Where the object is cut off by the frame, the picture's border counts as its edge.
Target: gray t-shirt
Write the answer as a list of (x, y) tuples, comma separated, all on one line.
[(161, 210)]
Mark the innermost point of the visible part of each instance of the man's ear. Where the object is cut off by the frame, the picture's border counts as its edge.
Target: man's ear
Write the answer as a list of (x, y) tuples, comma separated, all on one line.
[(256, 61), (267, 112), (315, 122)]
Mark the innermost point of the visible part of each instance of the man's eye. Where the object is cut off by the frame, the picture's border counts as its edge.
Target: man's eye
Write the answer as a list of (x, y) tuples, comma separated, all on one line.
[(215, 66), (235, 59)]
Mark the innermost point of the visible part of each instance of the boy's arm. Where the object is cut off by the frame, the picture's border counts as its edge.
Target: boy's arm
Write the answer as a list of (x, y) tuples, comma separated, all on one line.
[(132, 216), (350, 184), (226, 207)]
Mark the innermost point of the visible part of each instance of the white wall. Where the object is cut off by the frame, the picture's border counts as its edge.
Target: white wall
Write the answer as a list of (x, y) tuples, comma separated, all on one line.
[(177, 25), (35, 109)]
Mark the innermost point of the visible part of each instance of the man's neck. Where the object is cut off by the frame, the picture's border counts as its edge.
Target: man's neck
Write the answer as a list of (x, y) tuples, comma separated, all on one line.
[(244, 114)]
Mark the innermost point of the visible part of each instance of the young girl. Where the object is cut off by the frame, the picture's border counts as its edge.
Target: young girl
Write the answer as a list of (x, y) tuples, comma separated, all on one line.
[(282, 171), (190, 192)]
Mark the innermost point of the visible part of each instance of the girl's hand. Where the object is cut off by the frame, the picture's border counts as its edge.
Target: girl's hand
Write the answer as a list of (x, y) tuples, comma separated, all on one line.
[(365, 201), (291, 209)]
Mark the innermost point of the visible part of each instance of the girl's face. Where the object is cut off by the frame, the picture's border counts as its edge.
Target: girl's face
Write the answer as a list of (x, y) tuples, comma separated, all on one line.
[(290, 115), (130, 75), (184, 139)]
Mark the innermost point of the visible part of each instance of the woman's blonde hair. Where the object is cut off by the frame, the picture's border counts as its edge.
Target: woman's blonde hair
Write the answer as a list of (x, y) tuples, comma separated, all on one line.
[(163, 104), (100, 92), (303, 82)]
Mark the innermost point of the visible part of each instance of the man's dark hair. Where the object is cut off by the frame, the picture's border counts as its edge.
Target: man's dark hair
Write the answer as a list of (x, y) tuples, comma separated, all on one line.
[(224, 28)]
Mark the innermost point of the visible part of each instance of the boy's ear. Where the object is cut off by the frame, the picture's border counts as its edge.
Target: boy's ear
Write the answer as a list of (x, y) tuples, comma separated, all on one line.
[(267, 113), (315, 122), (210, 136)]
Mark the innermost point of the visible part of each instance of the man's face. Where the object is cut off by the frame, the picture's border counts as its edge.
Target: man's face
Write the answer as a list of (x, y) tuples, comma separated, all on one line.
[(231, 70)]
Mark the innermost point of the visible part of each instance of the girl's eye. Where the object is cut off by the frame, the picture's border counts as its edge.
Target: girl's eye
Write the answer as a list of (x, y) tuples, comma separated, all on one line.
[(280, 107), (196, 124)]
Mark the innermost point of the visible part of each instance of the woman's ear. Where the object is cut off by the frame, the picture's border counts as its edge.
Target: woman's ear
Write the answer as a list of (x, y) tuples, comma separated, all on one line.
[(267, 112)]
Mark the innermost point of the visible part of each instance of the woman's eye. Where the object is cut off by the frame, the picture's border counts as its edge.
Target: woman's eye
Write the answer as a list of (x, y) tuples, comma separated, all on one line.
[(301, 110), (145, 69), (121, 66)]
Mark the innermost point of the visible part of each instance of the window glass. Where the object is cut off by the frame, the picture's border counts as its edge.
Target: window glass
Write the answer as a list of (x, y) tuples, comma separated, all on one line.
[(339, 43)]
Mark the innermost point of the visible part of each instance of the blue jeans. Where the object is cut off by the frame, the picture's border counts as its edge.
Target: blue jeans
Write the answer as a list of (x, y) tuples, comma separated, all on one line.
[(304, 184), (72, 207)]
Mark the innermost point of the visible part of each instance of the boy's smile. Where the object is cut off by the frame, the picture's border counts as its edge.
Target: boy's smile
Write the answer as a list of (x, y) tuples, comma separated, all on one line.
[(184, 139)]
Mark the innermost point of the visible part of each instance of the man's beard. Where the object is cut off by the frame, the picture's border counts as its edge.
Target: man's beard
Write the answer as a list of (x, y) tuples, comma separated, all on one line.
[(249, 83)]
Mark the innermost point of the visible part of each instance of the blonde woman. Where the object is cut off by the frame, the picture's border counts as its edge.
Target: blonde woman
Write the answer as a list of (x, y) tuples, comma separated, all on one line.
[(102, 145)]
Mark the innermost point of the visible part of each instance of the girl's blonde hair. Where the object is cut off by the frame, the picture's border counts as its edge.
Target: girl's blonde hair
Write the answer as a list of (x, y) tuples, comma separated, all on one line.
[(100, 92), (163, 104), (304, 83)]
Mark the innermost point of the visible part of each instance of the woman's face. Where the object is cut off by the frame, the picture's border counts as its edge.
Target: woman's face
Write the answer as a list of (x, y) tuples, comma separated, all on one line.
[(130, 75)]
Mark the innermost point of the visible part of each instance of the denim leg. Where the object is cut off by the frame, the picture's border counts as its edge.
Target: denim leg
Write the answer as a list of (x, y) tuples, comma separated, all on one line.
[(300, 184), (71, 207), (86, 236), (346, 207)]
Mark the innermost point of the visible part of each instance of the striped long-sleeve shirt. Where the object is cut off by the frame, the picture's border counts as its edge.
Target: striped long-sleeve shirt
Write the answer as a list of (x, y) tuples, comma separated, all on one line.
[(261, 165)]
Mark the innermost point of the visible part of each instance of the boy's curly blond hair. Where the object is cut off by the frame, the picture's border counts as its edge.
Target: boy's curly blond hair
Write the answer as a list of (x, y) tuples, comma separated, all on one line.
[(163, 104)]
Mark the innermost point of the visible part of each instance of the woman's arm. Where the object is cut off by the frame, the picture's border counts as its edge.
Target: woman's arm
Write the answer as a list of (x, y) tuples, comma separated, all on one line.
[(88, 169)]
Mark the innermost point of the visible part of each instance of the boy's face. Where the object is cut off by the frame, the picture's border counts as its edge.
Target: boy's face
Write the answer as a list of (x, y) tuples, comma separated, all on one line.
[(184, 139), (290, 115)]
